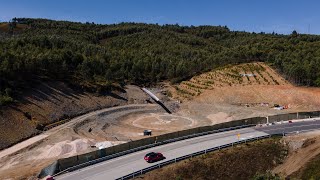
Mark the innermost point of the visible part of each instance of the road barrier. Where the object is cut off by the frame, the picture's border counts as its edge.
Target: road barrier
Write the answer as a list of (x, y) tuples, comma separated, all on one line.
[(156, 166), (119, 150), (291, 116), (70, 117), (83, 160), (55, 124)]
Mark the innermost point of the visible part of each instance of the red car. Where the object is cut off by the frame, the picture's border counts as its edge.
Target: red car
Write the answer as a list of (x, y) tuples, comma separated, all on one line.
[(153, 157), (49, 178)]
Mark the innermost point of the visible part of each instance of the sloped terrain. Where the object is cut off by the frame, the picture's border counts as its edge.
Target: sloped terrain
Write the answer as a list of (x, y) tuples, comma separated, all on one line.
[(88, 55), (303, 158), (247, 96), (230, 76), (48, 103), (241, 91), (5, 27)]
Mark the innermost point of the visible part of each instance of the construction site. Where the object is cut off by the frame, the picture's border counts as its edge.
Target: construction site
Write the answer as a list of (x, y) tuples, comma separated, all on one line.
[(222, 95)]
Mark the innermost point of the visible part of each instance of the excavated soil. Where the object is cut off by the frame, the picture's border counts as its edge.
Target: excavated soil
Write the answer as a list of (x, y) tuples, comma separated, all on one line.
[(215, 103), (47, 103), (303, 148)]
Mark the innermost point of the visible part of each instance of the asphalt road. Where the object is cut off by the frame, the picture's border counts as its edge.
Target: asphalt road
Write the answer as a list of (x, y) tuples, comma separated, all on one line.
[(295, 127), (124, 165)]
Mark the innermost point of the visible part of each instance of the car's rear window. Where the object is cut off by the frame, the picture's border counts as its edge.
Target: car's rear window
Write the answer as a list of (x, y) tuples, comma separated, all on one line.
[(150, 154)]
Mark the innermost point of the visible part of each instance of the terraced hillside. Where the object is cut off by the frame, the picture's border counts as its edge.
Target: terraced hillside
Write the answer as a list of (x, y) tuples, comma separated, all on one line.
[(241, 75)]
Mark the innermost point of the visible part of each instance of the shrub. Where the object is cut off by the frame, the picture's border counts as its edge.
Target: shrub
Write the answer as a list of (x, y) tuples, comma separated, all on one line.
[(4, 100), (266, 176)]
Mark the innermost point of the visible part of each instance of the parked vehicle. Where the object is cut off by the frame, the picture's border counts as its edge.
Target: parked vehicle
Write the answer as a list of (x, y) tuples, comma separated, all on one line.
[(153, 157)]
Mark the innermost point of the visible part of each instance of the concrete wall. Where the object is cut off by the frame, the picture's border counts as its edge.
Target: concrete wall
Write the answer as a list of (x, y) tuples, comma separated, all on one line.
[(282, 117), (121, 147), (304, 115), (138, 143), (67, 162), (87, 157), (72, 161), (168, 136), (292, 116)]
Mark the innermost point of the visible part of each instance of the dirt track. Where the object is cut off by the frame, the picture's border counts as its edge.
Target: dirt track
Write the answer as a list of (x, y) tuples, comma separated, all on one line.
[(62, 141), (48, 103)]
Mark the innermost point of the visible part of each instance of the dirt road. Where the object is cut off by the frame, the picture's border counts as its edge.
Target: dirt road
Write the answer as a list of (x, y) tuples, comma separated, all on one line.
[(61, 141), (110, 126), (52, 131)]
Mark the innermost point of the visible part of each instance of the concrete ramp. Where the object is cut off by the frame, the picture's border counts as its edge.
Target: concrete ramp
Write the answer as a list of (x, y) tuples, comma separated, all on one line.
[(156, 99), (163, 106)]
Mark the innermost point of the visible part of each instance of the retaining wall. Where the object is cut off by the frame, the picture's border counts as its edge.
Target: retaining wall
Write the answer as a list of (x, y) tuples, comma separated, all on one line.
[(63, 164)]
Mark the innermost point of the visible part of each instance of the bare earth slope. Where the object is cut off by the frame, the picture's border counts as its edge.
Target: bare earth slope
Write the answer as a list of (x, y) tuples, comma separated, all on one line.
[(48, 103), (231, 76), (226, 94), (303, 148), (70, 138)]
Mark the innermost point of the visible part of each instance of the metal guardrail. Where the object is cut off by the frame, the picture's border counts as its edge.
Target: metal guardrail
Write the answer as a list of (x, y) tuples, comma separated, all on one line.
[(148, 169), (79, 166), (299, 115)]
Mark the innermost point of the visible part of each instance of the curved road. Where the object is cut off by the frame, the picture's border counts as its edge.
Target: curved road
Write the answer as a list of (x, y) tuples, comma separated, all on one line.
[(68, 124), (127, 164)]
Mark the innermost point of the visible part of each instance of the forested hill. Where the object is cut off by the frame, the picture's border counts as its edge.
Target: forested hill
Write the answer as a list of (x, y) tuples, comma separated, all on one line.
[(95, 56)]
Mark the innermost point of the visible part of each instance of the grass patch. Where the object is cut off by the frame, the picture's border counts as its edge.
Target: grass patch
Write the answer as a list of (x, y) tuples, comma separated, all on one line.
[(4, 100)]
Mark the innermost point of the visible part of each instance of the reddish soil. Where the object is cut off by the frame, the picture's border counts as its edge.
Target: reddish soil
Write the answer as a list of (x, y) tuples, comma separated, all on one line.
[(230, 76), (213, 97), (303, 148)]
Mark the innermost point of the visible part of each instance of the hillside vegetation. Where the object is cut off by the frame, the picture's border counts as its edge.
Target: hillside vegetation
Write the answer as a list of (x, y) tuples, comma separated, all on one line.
[(95, 57)]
